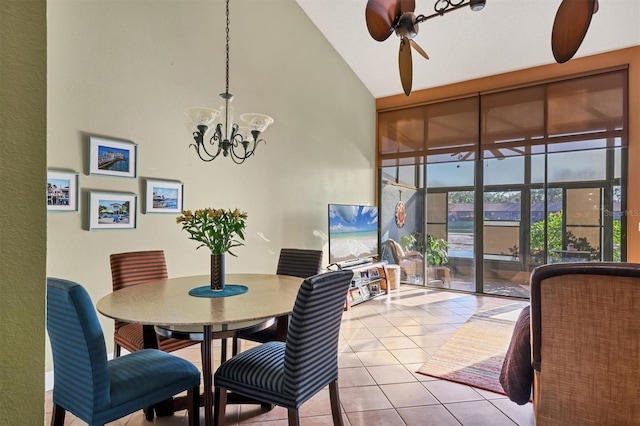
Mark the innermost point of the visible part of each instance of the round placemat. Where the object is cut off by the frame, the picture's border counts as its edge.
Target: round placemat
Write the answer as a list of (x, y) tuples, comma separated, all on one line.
[(229, 290)]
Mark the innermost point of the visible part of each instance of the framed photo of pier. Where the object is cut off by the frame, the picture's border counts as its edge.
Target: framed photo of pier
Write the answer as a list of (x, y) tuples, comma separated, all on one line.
[(112, 210), (112, 157), (62, 191), (163, 196)]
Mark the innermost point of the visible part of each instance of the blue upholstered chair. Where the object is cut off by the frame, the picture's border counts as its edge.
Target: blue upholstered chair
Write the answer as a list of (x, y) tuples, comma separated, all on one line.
[(289, 373), (96, 390), (301, 263)]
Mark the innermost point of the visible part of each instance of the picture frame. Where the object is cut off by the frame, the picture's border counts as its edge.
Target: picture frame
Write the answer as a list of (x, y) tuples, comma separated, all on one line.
[(112, 157), (374, 273), (163, 196), (355, 294), (364, 290), (374, 288), (112, 210), (62, 191)]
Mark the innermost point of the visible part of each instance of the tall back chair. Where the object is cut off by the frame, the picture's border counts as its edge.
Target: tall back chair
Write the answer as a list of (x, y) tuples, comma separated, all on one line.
[(289, 373), (585, 343), (135, 268), (94, 389), (302, 263)]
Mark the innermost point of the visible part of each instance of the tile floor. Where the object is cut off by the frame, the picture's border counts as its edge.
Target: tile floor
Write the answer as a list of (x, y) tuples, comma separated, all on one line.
[(383, 342)]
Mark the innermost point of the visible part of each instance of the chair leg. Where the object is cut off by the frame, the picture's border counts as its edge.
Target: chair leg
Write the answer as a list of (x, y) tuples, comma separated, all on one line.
[(219, 406), (236, 346), (294, 417), (116, 350), (193, 407), (57, 417), (334, 396), (148, 413)]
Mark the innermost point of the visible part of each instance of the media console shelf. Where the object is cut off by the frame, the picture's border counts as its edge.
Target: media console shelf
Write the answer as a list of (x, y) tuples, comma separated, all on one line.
[(369, 281)]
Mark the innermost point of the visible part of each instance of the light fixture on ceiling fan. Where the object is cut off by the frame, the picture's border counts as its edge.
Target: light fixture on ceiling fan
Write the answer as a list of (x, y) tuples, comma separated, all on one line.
[(383, 17), (229, 139)]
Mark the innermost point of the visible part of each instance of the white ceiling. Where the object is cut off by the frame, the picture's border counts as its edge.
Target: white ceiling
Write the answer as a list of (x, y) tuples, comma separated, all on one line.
[(506, 35)]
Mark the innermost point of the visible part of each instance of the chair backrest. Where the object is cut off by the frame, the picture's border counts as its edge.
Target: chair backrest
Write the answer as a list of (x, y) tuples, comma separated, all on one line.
[(393, 248), (585, 344), (300, 263), (311, 353), (81, 377), (136, 267)]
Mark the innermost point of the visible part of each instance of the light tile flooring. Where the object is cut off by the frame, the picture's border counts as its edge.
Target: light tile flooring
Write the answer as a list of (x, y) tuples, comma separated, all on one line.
[(383, 342)]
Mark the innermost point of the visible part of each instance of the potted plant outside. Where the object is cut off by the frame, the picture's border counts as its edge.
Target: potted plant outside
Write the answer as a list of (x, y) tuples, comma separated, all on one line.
[(437, 256)]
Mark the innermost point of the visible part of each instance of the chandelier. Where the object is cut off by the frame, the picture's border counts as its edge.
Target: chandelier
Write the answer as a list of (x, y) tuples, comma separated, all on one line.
[(229, 139)]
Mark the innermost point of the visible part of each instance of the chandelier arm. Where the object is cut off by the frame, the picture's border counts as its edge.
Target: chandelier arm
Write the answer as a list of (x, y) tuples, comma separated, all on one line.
[(201, 147), (238, 141)]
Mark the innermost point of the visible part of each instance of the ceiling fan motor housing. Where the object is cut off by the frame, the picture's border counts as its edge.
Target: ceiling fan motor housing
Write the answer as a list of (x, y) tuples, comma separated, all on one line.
[(407, 26)]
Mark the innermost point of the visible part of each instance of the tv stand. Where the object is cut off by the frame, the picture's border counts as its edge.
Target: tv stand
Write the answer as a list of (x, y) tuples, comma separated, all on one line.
[(369, 281), (350, 264)]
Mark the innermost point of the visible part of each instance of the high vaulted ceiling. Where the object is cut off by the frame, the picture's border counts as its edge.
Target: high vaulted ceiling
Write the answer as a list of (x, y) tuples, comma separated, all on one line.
[(507, 35)]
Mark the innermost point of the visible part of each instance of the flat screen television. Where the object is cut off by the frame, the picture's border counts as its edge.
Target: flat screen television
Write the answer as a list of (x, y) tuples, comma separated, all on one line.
[(353, 233)]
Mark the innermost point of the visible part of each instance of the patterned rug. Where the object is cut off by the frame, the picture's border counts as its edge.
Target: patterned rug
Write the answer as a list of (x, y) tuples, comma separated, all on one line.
[(474, 354)]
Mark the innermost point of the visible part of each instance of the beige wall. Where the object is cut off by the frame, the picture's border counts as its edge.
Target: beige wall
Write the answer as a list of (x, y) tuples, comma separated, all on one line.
[(23, 126), (130, 69)]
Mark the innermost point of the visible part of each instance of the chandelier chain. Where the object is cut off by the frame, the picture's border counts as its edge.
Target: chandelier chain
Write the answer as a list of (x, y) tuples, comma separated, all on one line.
[(227, 49)]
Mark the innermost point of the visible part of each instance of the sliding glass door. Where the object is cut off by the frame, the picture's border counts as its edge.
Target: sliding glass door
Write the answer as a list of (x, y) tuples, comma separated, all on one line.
[(496, 184)]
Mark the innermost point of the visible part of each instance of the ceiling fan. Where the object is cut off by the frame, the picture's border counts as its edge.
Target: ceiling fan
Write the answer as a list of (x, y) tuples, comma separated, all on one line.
[(384, 17), (570, 26)]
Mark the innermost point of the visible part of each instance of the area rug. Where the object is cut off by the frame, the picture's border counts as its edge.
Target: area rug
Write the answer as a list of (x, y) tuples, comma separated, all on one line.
[(474, 354)]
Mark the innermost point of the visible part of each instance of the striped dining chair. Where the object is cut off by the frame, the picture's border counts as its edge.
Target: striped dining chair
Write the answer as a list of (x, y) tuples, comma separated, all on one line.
[(301, 263), (289, 373), (97, 390), (134, 268)]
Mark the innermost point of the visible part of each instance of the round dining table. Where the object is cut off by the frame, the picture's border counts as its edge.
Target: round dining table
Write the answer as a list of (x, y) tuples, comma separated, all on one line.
[(167, 304)]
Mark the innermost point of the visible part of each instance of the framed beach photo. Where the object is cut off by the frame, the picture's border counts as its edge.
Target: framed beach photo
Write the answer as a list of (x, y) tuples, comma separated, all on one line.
[(62, 191), (112, 210), (163, 196), (112, 157)]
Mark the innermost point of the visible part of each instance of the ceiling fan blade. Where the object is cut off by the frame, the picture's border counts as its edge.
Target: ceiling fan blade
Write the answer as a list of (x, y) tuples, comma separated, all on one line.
[(570, 26), (407, 6), (405, 65), (380, 16), (419, 49)]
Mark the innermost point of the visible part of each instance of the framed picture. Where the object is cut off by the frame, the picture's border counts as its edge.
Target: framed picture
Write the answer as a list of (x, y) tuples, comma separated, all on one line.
[(112, 157), (374, 273), (355, 294), (374, 288), (163, 196), (112, 210), (62, 191), (364, 290)]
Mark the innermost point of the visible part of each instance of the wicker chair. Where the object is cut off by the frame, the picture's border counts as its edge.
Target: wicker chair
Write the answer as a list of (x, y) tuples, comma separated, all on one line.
[(585, 342), (135, 268)]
